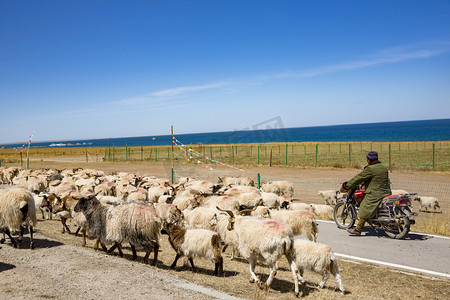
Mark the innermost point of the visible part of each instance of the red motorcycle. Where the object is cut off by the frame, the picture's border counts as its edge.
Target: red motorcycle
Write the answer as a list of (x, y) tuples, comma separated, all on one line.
[(394, 215)]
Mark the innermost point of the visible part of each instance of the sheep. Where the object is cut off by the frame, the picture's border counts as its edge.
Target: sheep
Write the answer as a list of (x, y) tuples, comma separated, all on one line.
[(285, 201), (156, 191), (36, 183), (249, 200), (301, 222), (168, 213), (271, 200), (105, 189), (428, 202), (225, 202), (139, 195), (330, 196), (322, 211), (263, 240), (137, 224), (185, 203), (204, 187), (316, 257), (64, 209), (260, 211), (97, 216), (240, 189), (195, 243), (200, 217), (286, 187), (43, 202), (300, 206), (271, 188), (17, 208), (227, 181), (398, 192)]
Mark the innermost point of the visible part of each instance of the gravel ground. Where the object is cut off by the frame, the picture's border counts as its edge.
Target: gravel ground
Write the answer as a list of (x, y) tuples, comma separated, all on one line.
[(60, 271)]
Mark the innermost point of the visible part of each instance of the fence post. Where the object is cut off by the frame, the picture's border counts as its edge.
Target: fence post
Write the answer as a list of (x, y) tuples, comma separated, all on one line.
[(210, 152), (171, 177), (104, 158), (389, 156), (126, 151), (317, 148), (156, 154), (258, 176), (28, 162), (232, 152), (270, 161), (142, 154), (433, 156), (349, 154), (258, 155), (114, 153), (286, 153), (21, 165)]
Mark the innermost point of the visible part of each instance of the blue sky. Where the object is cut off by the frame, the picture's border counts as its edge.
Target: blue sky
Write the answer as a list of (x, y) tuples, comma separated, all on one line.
[(97, 69)]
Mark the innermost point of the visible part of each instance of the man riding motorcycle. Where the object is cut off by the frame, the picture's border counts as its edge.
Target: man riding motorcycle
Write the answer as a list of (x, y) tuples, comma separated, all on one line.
[(376, 181)]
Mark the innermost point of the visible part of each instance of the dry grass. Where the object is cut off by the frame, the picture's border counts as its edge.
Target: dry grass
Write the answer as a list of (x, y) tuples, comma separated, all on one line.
[(362, 281)]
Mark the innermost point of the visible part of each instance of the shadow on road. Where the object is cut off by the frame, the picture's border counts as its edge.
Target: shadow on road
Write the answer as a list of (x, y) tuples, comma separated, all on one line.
[(381, 234)]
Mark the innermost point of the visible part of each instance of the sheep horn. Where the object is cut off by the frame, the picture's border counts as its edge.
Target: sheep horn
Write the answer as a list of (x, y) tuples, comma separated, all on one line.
[(244, 211), (227, 211)]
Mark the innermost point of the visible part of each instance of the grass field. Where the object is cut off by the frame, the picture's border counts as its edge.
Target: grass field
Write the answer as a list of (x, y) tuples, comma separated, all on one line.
[(420, 156)]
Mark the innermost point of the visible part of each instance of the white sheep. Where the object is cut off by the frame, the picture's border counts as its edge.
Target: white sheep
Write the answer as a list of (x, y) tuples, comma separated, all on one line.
[(269, 187), (192, 243), (398, 192), (225, 202), (428, 202), (322, 211), (263, 240), (271, 200), (300, 206), (286, 187), (249, 200), (301, 222), (316, 257), (17, 207), (200, 217), (240, 189), (330, 196), (155, 192)]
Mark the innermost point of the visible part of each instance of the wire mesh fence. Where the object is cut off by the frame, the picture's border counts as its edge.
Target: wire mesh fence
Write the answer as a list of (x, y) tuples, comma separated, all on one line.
[(421, 156), (398, 155)]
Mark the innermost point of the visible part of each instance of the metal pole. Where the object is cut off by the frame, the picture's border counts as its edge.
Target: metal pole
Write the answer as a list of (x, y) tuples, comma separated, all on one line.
[(317, 148), (126, 151), (286, 153), (232, 152), (142, 154), (258, 154), (171, 131), (349, 154), (171, 177), (28, 162), (433, 156), (259, 180)]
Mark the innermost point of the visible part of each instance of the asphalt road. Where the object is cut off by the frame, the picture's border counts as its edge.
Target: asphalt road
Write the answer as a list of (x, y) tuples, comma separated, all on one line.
[(421, 251)]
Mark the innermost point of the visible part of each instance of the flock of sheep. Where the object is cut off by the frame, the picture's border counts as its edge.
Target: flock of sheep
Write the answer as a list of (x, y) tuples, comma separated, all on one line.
[(201, 218)]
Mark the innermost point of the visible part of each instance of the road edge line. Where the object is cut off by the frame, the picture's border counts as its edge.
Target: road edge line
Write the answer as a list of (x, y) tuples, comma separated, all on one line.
[(417, 270)]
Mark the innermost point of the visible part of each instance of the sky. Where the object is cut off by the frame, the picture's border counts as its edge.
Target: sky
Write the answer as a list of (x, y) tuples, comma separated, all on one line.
[(89, 69)]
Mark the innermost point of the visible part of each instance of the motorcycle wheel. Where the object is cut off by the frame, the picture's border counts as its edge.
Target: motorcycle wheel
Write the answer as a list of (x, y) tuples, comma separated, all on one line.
[(344, 216), (402, 228)]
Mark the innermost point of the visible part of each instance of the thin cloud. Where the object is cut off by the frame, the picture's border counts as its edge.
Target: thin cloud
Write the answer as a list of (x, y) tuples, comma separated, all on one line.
[(169, 97), (187, 89)]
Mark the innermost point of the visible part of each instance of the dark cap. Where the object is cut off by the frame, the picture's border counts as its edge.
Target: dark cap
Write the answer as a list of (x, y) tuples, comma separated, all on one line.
[(372, 155)]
